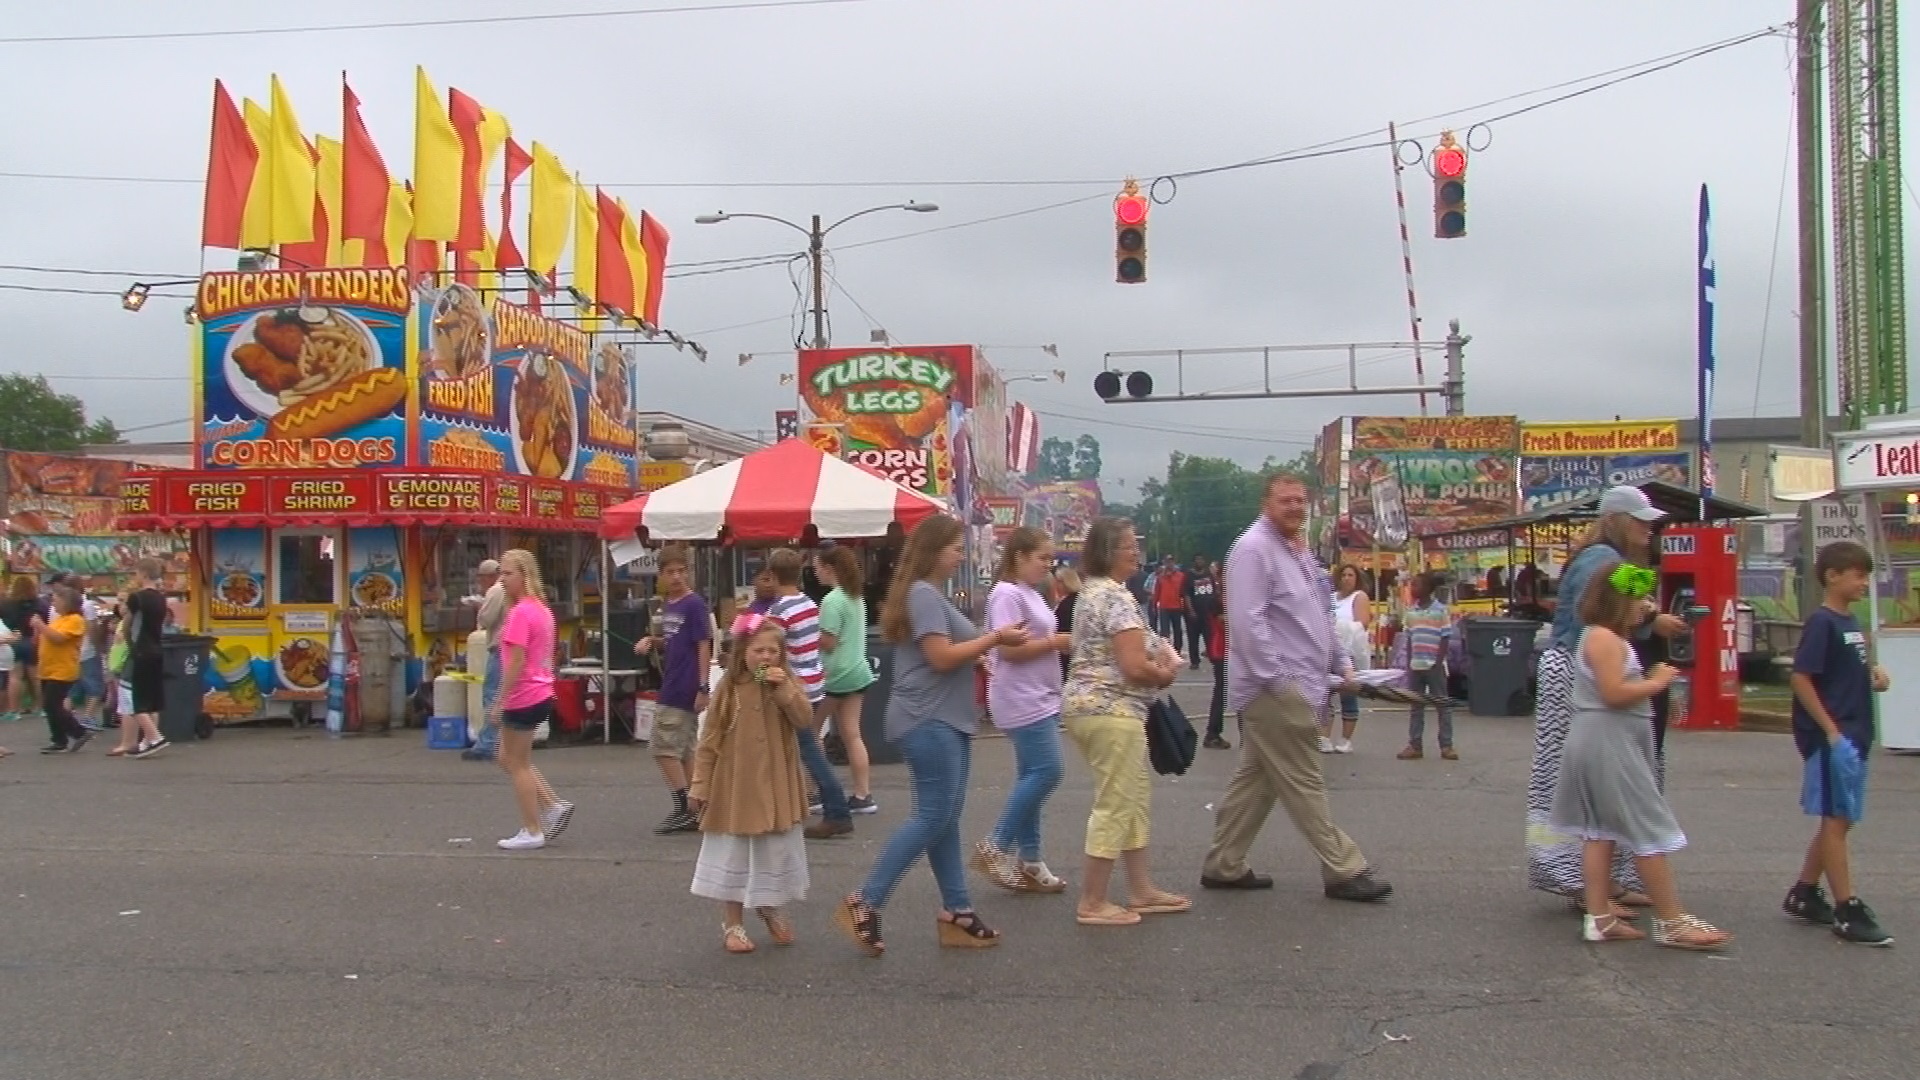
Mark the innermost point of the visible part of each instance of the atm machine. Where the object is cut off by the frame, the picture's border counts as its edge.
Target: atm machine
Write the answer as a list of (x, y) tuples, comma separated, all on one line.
[(1700, 582)]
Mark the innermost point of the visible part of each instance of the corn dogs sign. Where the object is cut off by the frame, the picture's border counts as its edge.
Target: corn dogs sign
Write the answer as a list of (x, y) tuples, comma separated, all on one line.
[(887, 408)]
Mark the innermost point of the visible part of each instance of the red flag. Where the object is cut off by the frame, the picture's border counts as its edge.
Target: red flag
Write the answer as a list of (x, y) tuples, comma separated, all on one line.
[(231, 160), (653, 240), (508, 252), (613, 275), (364, 185)]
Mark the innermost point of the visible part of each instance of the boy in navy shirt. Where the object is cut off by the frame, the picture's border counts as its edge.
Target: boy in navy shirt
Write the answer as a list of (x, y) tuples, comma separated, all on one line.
[(1833, 689)]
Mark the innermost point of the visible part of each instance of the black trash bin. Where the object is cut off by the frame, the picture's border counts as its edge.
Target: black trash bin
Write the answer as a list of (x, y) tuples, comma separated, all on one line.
[(1500, 655), (183, 686), (873, 707)]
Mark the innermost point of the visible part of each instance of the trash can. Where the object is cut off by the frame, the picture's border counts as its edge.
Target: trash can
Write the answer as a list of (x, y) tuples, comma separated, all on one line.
[(183, 686), (873, 707), (1500, 652), (381, 643)]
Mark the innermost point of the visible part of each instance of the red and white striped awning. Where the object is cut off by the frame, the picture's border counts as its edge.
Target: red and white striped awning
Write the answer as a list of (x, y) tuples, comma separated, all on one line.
[(772, 496)]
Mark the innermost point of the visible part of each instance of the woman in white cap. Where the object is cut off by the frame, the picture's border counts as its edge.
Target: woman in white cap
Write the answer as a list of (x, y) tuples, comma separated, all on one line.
[(1624, 532)]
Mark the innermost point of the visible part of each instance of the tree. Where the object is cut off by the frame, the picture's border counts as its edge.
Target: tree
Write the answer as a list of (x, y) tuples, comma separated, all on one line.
[(1056, 460), (1201, 508), (1086, 458), (34, 417)]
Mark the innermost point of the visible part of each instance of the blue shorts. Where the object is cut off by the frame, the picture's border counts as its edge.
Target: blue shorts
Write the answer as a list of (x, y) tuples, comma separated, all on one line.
[(1833, 789), (528, 719)]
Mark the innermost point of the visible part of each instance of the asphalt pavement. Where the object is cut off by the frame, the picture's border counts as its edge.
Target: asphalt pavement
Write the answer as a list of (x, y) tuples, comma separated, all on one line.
[(274, 904)]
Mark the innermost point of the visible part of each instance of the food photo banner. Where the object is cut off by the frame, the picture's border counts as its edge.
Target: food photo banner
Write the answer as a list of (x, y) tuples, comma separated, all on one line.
[(1454, 472), (887, 409), (504, 389), (1565, 463)]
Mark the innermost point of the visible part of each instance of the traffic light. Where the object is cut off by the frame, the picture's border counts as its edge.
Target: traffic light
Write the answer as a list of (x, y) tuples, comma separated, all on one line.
[(1130, 235), (1449, 189)]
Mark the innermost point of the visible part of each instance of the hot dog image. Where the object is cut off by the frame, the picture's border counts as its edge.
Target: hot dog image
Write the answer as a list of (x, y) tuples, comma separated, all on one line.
[(350, 402)]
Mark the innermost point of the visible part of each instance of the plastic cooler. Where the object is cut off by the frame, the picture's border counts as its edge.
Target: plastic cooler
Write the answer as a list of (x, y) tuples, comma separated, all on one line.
[(573, 706)]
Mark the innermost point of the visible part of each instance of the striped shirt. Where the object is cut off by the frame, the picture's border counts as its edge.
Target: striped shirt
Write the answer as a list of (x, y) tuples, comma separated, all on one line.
[(799, 616), (1428, 627)]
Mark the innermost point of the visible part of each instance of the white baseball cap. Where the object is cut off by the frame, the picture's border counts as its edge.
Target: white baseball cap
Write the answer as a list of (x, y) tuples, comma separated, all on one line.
[(488, 566), (1629, 500)]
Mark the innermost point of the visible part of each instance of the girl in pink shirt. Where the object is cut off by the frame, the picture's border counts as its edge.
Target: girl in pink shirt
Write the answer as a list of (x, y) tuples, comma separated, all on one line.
[(525, 700)]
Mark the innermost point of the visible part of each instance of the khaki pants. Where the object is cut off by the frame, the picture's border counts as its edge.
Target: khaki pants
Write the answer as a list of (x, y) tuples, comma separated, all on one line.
[(1279, 762), (1116, 751)]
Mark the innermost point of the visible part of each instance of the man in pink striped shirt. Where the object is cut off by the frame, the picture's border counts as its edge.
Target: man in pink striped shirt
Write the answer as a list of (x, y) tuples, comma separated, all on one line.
[(799, 617)]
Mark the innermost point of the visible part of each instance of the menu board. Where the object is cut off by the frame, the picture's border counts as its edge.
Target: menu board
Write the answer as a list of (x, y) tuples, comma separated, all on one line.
[(504, 389), (302, 369)]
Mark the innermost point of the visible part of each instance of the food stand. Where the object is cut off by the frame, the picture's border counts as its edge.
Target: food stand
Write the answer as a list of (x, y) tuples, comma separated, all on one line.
[(360, 446), (1869, 465)]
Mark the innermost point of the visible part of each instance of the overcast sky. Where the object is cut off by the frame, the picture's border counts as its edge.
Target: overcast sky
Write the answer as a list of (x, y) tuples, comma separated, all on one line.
[(1576, 278)]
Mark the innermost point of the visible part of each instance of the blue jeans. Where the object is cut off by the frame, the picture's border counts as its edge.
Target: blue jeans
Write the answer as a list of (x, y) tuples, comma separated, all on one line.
[(93, 681), (488, 744), (938, 759), (1432, 682), (833, 797), (1037, 770), (1350, 707)]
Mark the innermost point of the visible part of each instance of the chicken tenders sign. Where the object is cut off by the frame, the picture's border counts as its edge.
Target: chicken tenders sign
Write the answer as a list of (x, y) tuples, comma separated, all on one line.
[(302, 369), (886, 408)]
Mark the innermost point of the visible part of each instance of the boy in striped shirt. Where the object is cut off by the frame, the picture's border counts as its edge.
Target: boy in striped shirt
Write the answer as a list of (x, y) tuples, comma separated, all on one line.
[(1429, 629), (799, 617)]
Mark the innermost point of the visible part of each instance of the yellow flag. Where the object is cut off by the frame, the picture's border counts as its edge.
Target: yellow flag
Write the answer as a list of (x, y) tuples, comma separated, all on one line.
[(256, 221), (327, 185), (437, 159), (549, 213), (586, 233), (399, 223), (292, 172), (636, 258)]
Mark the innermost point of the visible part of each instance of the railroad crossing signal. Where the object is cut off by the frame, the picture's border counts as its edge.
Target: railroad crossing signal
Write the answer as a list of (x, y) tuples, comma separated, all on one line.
[(1130, 235), (1449, 189)]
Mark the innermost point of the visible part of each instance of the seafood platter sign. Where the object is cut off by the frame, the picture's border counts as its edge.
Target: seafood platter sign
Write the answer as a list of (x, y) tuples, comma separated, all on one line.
[(302, 369), (887, 408)]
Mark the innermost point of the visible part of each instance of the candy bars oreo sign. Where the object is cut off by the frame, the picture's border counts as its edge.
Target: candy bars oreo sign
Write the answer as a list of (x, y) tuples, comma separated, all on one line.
[(887, 408), (301, 369)]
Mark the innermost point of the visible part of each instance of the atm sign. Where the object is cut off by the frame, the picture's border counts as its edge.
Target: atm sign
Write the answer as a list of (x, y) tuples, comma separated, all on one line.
[(1677, 544)]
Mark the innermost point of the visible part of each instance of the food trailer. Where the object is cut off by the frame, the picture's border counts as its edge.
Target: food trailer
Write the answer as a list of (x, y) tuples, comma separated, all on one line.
[(360, 446), (1879, 468)]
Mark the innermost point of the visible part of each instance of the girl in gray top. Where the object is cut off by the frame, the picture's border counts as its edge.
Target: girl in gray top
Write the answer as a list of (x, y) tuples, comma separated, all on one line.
[(930, 714)]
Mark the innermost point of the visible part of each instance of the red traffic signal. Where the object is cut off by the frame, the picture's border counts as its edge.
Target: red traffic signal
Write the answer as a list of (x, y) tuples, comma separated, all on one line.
[(1130, 235), (1449, 189)]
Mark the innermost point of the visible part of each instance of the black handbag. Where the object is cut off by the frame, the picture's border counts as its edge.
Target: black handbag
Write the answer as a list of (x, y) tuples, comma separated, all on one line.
[(1171, 740)]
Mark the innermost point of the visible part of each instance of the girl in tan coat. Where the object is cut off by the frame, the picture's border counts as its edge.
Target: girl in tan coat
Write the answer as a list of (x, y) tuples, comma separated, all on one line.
[(747, 787)]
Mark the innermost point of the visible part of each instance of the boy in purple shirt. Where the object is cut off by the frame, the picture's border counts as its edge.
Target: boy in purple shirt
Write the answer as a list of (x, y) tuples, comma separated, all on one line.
[(685, 644)]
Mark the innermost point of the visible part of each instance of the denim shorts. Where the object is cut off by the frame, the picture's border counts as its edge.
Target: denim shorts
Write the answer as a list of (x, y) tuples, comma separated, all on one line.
[(528, 719)]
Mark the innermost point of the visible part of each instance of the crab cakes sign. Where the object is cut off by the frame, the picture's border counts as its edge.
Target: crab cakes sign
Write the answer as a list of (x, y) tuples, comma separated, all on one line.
[(302, 369), (887, 409)]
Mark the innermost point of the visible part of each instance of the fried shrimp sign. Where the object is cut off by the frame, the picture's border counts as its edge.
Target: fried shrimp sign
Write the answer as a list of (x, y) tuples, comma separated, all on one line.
[(887, 409)]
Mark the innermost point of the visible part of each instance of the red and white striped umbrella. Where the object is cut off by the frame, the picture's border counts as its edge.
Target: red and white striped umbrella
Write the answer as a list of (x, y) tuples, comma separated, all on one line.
[(771, 496)]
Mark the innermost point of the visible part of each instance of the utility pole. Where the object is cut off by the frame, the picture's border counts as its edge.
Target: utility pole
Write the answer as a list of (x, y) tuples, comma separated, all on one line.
[(816, 245), (1813, 270), (1456, 382)]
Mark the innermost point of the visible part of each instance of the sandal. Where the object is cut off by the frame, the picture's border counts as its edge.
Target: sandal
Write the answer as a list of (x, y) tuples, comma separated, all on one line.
[(1111, 915), (1035, 877), (1619, 911), (996, 865), (118, 751), (1610, 928), (1626, 897), (966, 930), (1687, 932), (778, 925), (1162, 903), (861, 923), (734, 937)]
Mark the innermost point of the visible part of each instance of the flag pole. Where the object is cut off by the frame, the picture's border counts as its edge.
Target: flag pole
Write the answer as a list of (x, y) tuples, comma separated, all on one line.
[(1704, 295)]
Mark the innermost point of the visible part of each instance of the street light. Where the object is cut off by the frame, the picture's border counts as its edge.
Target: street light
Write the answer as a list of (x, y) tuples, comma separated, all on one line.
[(816, 246), (135, 297)]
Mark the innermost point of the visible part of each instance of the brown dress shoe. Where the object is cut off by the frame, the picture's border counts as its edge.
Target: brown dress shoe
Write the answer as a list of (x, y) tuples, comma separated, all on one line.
[(827, 830), (1411, 753)]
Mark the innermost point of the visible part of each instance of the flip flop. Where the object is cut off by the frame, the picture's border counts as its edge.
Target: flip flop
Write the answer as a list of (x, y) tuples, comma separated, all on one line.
[(1164, 904), (1114, 915)]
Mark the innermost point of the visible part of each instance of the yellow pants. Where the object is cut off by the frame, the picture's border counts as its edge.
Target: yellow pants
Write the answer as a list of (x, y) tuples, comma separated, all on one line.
[(1116, 749)]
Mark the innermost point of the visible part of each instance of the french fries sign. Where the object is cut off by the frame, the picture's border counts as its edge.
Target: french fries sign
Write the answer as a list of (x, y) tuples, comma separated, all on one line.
[(887, 409)]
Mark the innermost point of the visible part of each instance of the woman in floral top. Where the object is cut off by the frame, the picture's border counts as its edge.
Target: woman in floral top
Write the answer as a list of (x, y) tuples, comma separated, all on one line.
[(1116, 670)]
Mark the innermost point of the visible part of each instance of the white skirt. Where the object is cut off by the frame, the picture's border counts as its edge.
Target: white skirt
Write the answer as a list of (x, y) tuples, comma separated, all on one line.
[(769, 870)]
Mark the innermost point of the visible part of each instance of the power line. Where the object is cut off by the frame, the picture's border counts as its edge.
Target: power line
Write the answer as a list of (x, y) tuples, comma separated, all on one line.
[(86, 292), (486, 20), (127, 274)]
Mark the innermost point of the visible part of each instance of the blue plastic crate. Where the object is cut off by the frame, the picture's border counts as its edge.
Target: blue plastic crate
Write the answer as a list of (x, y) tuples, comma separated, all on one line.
[(446, 733)]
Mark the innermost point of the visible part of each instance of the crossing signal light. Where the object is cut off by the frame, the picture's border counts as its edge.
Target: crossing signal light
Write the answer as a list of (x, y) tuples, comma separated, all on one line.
[(1130, 235), (1107, 384), (1449, 189)]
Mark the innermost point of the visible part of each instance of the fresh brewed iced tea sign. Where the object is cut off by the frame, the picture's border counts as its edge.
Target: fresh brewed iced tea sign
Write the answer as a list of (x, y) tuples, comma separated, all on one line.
[(887, 409)]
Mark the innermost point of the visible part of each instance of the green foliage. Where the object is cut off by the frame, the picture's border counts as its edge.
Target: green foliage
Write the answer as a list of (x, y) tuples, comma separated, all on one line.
[(1055, 461), (1204, 504), (34, 417), (1086, 458)]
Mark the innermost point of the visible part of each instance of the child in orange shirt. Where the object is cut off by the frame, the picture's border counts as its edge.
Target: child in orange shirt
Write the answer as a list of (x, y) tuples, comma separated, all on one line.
[(60, 669)]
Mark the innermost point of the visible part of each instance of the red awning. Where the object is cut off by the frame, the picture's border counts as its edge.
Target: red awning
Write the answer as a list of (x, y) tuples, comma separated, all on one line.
[(773, 496)]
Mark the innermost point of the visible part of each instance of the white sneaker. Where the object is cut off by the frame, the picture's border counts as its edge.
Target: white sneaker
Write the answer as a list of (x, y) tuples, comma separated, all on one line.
[(1344, 746), (1326, 745), (523, 841), (554, 820)]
